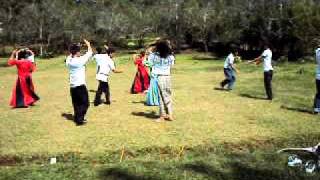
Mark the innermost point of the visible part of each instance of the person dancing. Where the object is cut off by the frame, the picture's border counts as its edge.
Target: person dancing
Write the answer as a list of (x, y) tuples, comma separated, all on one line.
[(141, 81), (77, 73), (23, 94), (162, 61), (230, 71), (266, 58), (105, 65)]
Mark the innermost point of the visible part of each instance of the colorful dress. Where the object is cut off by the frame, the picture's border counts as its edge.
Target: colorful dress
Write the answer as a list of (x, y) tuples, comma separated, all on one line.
[(153, 92), (23, 94), (141, 81)]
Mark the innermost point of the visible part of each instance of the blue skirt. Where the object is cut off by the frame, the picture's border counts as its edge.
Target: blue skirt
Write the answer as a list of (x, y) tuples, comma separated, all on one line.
[(153, 98)]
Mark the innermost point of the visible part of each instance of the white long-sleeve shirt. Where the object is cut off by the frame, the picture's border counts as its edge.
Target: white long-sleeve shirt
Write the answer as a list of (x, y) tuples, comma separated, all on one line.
[(77, 69)]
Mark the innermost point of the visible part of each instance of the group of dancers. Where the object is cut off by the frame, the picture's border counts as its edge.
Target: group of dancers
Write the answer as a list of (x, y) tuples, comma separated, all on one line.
[(157, 59), (230, 71)]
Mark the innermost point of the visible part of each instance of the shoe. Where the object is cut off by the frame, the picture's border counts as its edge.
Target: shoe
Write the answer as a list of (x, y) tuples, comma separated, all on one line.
[(81, 123), (96, 103), (107, 102), (221, 85)]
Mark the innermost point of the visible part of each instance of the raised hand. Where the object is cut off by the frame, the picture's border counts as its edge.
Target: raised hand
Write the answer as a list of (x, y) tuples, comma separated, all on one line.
[(87, 42)]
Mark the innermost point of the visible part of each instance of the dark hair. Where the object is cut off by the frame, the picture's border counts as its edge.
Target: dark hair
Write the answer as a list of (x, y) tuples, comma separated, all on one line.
[(23, 55), (100, 50), (110, 50), (142, 53), (74, 49), (163, 48)]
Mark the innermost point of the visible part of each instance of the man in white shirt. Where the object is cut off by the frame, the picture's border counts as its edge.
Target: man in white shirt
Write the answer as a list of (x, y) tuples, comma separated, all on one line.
[(230, 71), (77, 73), (317, 97), (266, 58), (105, 65)]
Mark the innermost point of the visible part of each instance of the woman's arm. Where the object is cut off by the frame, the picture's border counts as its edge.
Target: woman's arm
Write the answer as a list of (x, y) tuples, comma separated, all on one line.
[(12, 60)]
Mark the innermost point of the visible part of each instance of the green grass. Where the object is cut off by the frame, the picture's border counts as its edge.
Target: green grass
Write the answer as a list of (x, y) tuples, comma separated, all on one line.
[(216, 135)]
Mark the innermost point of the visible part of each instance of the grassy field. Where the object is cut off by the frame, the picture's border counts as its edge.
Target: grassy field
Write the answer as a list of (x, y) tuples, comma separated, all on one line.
[(216, 135)]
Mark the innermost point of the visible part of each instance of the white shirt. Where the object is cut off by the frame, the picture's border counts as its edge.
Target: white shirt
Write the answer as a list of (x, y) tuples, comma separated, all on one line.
[(161, 66), (318, 63), (104, 66), (267, 60), (77, 69), (229, 61)]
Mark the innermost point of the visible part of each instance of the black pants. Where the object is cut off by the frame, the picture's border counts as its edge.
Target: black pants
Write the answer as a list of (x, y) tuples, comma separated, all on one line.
[(267, 83), (80, 102), (317, 97), (102, 88)]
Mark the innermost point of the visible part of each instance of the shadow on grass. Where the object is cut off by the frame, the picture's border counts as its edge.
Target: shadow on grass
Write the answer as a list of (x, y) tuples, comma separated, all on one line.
[(301, 110), (221, 89), (68, 116), (139, 102), (149, 115), (122, 174), (252, 97), (92, 91)]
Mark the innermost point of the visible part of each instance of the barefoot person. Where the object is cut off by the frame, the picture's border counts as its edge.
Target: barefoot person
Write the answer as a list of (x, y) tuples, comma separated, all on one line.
[(161, 61), (141, 81), (266, 58), (104, 67), (317, 97), (23, 94), (230, 71), (77, 72)]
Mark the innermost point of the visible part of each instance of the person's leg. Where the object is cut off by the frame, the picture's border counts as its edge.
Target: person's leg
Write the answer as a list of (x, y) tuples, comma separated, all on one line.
[(76, 104), (268, 84), (84, 98), (227, 78), (166, 110), (168, 98), (232, 79), (317, 98), (97, 99), (107, 92), (161, 93)]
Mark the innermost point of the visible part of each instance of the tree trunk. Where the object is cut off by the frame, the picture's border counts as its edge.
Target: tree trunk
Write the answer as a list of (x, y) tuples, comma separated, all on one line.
[(40, 37)]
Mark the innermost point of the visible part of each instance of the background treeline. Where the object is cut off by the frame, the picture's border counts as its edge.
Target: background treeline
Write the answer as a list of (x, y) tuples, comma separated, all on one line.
[(291, 26)]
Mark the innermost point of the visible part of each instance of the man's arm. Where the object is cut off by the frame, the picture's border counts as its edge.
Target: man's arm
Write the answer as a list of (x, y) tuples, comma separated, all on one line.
[(89, 52)]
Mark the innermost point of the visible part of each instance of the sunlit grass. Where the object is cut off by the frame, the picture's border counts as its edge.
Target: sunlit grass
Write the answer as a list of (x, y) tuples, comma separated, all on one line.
[(206, 120)]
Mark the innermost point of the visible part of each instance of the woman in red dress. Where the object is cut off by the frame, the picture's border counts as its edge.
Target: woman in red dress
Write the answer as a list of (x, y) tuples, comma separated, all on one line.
[(23, 94), (141, 82)]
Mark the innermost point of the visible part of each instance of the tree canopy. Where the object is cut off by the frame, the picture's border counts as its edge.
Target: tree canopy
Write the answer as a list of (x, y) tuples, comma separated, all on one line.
[(291, 26)]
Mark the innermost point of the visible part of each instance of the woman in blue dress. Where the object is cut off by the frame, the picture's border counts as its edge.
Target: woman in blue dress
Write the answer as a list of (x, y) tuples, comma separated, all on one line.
[(153, 91)]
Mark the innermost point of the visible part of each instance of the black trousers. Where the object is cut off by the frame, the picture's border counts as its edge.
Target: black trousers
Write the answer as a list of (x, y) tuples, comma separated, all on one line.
[(268, 83), (80, 102), (102, 88), (317, 97)]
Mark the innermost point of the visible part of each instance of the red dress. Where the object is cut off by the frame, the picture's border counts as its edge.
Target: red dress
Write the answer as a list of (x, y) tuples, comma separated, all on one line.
[(23, 94), (141, 82)]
